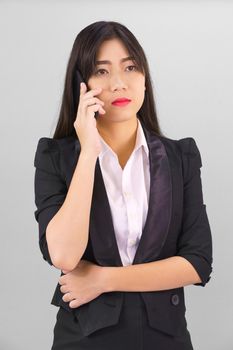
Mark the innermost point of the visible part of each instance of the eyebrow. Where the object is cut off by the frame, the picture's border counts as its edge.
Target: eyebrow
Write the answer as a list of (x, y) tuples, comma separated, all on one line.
[(129, 58)]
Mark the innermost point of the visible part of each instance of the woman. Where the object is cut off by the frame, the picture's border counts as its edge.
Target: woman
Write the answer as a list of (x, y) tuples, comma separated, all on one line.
[(119, 205)]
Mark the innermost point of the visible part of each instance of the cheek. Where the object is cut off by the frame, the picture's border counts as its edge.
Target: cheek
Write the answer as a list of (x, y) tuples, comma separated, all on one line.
[(140, 95), (92, 84)]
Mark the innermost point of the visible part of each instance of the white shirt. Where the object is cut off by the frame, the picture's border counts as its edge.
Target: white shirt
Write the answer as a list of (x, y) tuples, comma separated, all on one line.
[(128, 193)]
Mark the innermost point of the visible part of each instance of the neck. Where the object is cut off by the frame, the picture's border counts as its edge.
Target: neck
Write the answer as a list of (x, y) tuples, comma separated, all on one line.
[(121, 137)]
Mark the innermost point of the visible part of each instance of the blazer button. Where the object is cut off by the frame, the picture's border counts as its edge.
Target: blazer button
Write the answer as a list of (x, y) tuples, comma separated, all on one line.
[(175, 299)]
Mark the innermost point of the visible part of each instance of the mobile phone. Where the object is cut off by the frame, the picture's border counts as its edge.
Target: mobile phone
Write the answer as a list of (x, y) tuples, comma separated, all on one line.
[(78, 78)]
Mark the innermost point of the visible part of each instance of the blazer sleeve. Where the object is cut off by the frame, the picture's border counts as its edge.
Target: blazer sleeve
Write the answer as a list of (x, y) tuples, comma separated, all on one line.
[(195, 240), (49, 188)]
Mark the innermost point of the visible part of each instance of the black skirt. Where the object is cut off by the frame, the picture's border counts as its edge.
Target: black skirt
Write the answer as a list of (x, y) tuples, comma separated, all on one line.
[(131, 332)]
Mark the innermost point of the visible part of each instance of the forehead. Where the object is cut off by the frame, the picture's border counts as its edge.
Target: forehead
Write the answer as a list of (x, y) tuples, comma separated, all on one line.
[(111, 49)]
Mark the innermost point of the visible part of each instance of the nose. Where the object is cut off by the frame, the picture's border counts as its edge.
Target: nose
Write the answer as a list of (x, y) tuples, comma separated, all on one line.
[(117, 83)]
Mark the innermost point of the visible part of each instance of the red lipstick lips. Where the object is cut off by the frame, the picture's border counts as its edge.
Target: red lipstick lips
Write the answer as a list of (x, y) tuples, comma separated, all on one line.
[(123, 101)]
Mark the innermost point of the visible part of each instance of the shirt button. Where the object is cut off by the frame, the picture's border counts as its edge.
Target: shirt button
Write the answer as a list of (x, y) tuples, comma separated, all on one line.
[(127, 194), (132, 242)]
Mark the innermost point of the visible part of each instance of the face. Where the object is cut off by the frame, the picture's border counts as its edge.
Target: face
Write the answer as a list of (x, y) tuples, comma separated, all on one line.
[(118, 78)]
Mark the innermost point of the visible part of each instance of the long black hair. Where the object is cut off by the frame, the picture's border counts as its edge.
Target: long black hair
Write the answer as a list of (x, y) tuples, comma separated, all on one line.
[(83, 56)]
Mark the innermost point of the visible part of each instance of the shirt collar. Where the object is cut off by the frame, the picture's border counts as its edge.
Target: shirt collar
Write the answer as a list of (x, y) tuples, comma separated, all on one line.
[(140, 142)]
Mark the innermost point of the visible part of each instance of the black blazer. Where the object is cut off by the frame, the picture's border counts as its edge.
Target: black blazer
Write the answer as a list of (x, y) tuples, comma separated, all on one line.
[(176, 224)]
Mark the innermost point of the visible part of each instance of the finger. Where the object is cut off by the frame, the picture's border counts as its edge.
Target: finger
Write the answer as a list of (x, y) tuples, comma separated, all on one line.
[(95, 108), (92, 100), (102, 111), (64, 289), (67, 297), (74, 303), (93, 92), (61, 280)]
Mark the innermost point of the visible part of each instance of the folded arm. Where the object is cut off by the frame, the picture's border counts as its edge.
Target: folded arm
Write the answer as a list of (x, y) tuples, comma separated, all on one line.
[(173, 272)]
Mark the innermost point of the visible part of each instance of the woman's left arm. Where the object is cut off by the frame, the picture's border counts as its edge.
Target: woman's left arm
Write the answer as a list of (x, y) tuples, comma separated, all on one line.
[(169, 273)]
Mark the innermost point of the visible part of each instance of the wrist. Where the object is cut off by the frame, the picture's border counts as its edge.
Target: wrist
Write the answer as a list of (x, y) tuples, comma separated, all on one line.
[(108, 278), (91, 154)]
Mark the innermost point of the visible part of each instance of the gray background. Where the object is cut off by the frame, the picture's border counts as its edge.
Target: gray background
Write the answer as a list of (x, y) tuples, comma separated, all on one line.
[(189, 46)]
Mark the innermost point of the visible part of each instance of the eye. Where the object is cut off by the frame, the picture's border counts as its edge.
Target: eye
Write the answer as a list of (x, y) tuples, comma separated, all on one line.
[(99, 70), (135, 67), (104, 70)]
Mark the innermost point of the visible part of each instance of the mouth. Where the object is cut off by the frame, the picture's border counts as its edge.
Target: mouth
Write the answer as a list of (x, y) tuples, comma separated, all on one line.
[(121, 102)]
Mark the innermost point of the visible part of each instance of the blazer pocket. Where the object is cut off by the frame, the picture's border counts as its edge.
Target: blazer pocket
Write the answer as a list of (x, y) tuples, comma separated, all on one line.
[(98, 313), (166, 311), (101, 312)]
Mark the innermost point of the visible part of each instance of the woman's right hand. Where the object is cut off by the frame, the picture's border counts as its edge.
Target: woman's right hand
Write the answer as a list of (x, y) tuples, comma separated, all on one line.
[(85, 122)]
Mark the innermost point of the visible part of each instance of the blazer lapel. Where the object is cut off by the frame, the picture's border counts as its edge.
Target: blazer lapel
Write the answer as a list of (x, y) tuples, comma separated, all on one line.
[(158, 219), (159, 212)]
